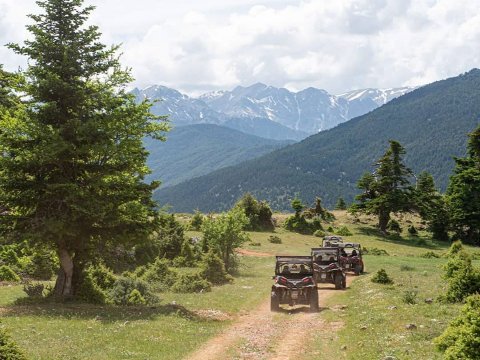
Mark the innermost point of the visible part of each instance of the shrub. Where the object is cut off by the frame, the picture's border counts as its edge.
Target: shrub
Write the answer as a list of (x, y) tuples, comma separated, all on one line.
[(343, 231), (375, 251), (188, 254), (136, 298), (460, 340), (406, 268), (319, 233), (412, 230), (299, 224), (33, 290), (381, 277), (430, 255), (274, 239), (91, 292), (213, 270), (123, 288), (330, 229), (258, 213), (462, 278), (410, 297), (454, 249), (102, 276), (8, 349), (394, 225), (197, 220), (191, 283), (254, 243), (7, 274), (8, 256), (159, 275), (43, 265)]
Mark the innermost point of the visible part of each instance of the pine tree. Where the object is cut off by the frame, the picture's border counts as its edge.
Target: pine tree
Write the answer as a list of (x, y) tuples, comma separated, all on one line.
[(387, 189), (341, 205), (73, 167), (431, 206), (463, 193)]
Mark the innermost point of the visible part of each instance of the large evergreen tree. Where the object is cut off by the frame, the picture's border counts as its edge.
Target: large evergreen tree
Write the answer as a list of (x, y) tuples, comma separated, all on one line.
[(387, 189), (72, 167), (463, 193), (431, 206)]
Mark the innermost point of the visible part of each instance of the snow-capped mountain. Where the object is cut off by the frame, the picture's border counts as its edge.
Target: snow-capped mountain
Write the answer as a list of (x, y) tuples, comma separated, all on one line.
[(268, 111)]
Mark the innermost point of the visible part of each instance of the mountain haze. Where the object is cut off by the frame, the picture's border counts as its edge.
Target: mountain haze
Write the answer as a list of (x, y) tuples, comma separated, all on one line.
[(431, 122)]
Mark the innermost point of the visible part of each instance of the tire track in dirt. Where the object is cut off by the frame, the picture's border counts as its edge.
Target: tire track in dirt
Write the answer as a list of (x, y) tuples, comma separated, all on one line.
[(258, 334)]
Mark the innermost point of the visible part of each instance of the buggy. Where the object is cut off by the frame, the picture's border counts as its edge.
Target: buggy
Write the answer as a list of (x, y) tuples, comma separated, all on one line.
[(351, 257), (327, 267), (294, 284), (332, 241)]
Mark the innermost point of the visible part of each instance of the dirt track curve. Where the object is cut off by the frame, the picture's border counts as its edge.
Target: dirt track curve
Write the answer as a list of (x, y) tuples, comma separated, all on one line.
[(257, 335)]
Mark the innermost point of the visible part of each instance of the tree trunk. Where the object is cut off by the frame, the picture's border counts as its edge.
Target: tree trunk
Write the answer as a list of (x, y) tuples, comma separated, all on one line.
[(63, 285), (383, 219)]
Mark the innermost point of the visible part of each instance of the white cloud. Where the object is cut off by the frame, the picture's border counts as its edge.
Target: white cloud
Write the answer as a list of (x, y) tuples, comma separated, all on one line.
[(336, 45)]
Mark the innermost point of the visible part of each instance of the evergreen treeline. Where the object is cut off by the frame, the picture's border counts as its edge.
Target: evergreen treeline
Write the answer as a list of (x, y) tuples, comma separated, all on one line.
[(431, 123)]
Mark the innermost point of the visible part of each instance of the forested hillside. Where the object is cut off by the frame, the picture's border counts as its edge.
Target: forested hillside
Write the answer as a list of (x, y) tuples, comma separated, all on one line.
[(196, 150), (431, 122)]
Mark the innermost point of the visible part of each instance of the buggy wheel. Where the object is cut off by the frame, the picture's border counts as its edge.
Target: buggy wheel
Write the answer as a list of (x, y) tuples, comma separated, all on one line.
[(358, 269), (274, 302), (314, 300), (338, 280)]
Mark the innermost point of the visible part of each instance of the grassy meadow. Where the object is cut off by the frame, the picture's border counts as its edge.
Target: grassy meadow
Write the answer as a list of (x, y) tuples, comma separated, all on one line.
[(371, 325)]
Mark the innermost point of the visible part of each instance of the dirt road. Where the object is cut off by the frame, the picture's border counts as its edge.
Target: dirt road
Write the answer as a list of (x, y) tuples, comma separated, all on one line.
[(259, 333)]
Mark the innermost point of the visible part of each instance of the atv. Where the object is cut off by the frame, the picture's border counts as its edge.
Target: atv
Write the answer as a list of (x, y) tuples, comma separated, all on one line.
[(327, 267), (294, 284), (351, 257), (332, 241)]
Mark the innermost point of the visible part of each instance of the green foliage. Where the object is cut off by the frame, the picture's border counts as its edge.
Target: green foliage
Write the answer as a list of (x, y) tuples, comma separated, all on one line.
[(375, 251), (170, 237), (461, 339), (90, 292), (412, 230), (454, 249), (7, 274), (158, 275), (274, 239), (463, 193), (74, 177), (343, 231), (43, 265), (123, 288), (405, 267), (8, 256), (340, 205), (224, 234), (213, 270), (431, 206), (102, 276), (319, 233), (462, 277), (8, 349), (311, 168), (197, 220), (410, 297), (257, 212), (34, 290), (381, 277), (430, 255), (394, 225), (136, 298), (191, 283)]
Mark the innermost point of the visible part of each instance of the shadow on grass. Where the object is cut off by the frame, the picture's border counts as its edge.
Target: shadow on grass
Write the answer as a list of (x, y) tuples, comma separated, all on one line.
[(102, 313), (410, 241)]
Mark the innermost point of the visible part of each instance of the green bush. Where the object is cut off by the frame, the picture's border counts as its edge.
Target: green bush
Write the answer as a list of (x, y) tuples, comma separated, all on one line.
[(43, 265), (8, 349), (343, 231), (102, 276), (299, 224), (123, 288), (34, 290), (394, 225), (90, 292), (454, 249), (410, 297), (213, 270), (191, 283), (405, 267), (274, 239), (461, 339), (159, 275), (197, 221), (375, 251), (319, 233), (8, 256), (136, 298), (412, 230), (255, 243), (430, 255), (7, 274), (258, 213), (381, 277), (462, 277)]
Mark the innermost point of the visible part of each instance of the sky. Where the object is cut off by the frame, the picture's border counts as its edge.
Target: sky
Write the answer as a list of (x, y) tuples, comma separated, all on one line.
[(337, 45)]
